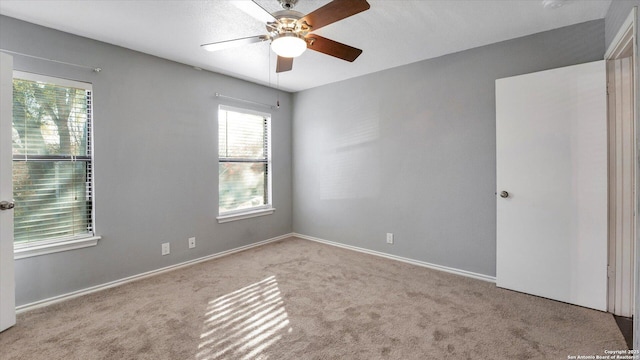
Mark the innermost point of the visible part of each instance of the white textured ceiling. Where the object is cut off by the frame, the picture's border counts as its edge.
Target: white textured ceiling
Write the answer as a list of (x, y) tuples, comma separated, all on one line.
[(391, 33)]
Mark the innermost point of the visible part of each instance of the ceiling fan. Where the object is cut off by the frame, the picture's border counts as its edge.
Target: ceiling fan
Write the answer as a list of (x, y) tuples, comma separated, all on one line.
[(290, 31)]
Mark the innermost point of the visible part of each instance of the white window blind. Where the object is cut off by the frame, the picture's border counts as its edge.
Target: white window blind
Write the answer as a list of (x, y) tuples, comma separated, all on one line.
[(244, 161), (52, 158)]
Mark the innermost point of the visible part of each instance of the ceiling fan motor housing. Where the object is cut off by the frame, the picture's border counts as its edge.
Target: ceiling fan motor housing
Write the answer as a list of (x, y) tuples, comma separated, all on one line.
[(288, 25)]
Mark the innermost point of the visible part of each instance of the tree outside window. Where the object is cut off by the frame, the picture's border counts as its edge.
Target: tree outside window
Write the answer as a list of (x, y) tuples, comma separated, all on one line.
[(52, 162)]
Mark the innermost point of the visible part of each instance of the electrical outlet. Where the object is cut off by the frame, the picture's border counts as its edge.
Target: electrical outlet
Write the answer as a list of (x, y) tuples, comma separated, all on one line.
[(166, 249), (192, 242), (389, 238)]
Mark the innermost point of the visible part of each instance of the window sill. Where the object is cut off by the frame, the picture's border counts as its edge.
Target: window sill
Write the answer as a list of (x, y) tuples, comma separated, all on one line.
[(21, 251), (244, 215)]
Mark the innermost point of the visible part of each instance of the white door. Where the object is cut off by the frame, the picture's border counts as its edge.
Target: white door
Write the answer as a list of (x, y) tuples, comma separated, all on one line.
[(7, 281), (551, 137)]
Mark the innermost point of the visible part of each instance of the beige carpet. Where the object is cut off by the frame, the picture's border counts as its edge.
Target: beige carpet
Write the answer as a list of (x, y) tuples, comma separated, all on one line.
[(297, 299)]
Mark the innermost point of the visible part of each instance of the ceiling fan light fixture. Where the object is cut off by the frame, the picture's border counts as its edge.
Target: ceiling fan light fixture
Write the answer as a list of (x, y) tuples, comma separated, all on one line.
[(288, 45)]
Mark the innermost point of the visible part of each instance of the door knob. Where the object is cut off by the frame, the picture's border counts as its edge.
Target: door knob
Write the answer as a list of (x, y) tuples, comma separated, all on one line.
[(504, 194), (7, 205)]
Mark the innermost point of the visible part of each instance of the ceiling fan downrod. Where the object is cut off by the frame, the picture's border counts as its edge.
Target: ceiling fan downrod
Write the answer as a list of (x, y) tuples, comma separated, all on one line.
[(288, 4)]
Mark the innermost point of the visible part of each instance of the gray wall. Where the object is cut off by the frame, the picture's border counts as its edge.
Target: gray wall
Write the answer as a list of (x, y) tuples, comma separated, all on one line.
[(411, 150), (617, 14), (155, 161)]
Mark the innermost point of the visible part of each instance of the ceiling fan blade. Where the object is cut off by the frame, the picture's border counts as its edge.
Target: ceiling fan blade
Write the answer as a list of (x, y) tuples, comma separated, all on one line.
[(333, 48), (284, 64), (255, 10), (334, 11), (220, 45)]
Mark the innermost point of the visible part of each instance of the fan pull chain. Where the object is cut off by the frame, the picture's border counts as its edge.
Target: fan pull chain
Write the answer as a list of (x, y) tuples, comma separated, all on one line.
[(269, 69)]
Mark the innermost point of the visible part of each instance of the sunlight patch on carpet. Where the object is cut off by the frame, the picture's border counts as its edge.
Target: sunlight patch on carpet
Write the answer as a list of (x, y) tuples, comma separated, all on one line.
[(244, 323)]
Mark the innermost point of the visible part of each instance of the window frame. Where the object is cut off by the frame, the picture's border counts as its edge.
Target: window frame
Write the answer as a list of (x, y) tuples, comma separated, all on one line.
[(266, 209), (41, 247)]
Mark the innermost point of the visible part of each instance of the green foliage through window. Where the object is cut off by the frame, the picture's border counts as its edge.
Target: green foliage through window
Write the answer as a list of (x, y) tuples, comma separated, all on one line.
[(52, 163)]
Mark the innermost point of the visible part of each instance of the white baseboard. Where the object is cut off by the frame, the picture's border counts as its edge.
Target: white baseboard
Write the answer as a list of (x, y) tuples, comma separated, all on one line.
[(74, 294), (403, 259)]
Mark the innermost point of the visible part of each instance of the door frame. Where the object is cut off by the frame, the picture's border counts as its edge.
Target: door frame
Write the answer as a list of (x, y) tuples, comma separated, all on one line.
[(625, 42), (7, 277)]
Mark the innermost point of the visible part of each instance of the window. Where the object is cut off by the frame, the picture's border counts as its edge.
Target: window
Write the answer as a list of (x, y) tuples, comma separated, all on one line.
[(244, 164), (52, 164)]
